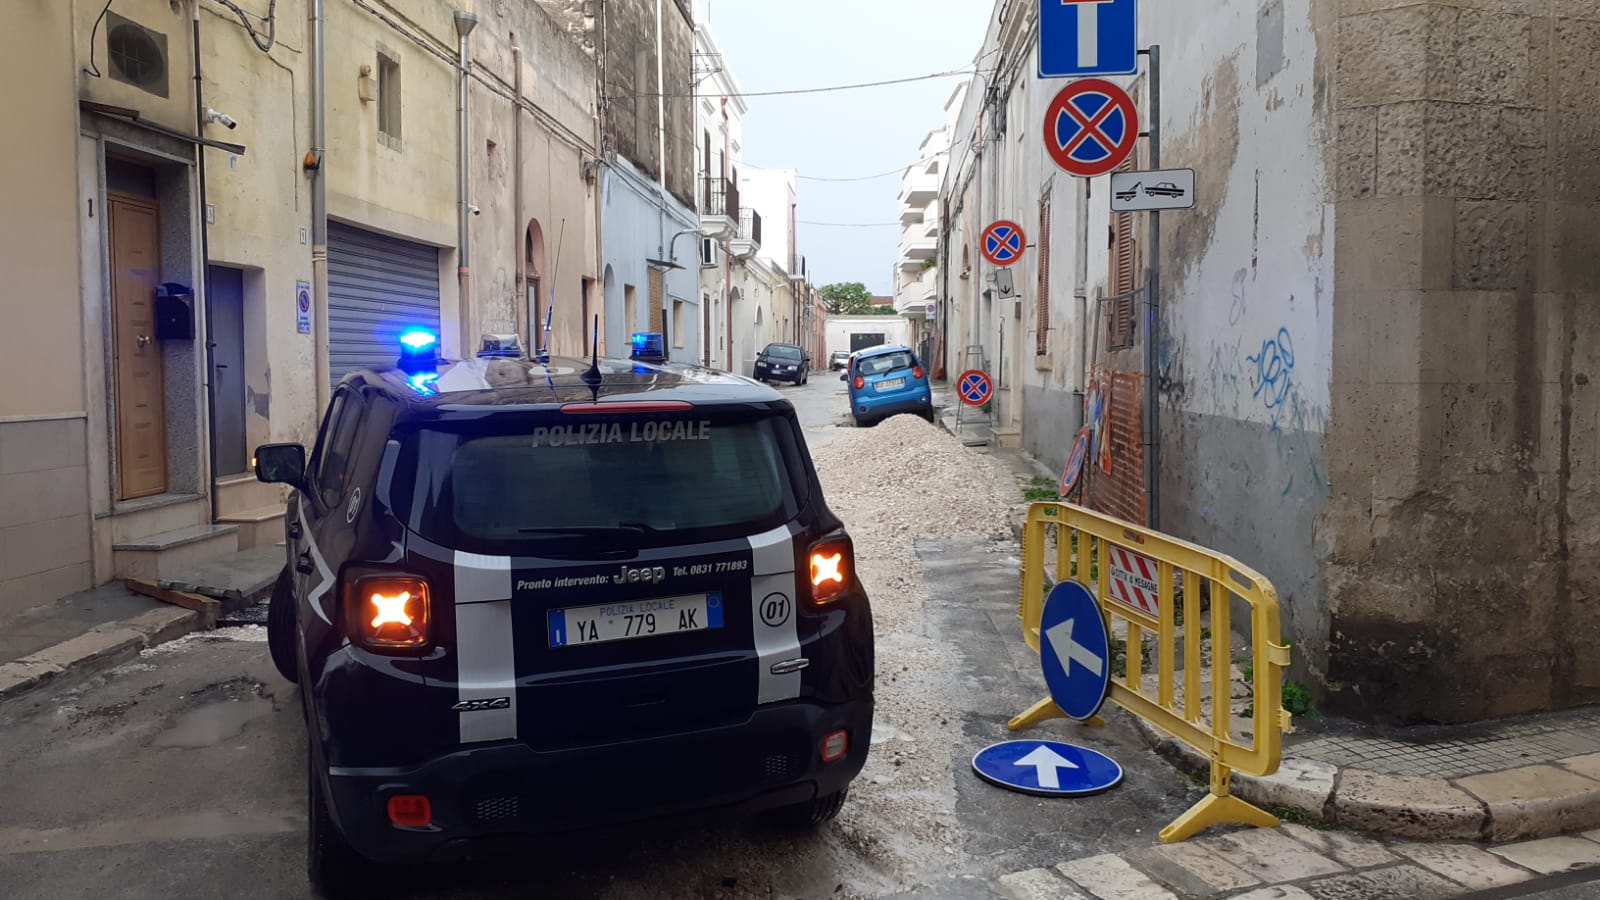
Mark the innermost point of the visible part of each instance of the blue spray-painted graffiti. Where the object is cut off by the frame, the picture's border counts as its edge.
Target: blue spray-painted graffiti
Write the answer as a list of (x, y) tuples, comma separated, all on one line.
[(1274, 378), (1291, 417)]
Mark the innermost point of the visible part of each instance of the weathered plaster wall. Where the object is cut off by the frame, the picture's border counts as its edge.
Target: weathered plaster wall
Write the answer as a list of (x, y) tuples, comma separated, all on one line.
[(1462, 546), (1247, 289)]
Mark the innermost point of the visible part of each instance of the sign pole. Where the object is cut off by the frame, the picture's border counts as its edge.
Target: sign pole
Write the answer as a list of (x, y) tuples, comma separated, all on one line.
[(1152, 331)]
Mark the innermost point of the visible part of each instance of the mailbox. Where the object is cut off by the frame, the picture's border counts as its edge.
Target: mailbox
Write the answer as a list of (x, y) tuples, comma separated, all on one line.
[(174, 312)]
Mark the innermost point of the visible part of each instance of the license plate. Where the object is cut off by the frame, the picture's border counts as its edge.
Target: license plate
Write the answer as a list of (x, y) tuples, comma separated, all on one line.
[(891, 384), (628, 619)]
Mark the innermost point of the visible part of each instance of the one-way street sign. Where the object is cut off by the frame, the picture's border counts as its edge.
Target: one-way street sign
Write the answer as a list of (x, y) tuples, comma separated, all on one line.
[(1087, 37), (1075, 650), (1151, 191), (1047, 768)]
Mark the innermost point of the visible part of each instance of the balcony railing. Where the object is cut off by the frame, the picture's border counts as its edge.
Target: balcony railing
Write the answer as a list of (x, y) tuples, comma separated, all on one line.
[(720, 197), (750, 226)]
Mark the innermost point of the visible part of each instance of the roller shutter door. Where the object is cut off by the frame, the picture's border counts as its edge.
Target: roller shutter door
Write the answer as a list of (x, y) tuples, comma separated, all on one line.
[(378, 286)]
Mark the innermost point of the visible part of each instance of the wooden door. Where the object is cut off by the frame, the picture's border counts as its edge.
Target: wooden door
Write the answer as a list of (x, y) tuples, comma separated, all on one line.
[(137, 374)]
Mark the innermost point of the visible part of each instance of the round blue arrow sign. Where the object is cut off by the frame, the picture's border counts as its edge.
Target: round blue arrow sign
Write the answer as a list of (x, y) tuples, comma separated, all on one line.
[(1047, 768), (1075, 650)]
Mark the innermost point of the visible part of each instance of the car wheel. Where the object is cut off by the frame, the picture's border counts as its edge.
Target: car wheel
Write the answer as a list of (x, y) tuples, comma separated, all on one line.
[(336, 870), (804, 378), (281, 628), (814, 812)]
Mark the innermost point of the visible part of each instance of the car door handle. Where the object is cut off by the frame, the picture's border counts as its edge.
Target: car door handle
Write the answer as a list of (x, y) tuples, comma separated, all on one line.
[(302, 564)]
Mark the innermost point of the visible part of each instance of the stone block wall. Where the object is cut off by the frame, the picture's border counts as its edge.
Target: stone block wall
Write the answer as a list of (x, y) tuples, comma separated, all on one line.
[(1462, 542)]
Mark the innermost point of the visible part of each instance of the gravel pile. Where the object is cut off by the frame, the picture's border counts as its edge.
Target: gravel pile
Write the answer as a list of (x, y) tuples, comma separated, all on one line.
[(893, 484), (913, 477)]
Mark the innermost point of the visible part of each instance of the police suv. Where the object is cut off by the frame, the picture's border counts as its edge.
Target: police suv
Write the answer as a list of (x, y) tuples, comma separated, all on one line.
[(525, 597)]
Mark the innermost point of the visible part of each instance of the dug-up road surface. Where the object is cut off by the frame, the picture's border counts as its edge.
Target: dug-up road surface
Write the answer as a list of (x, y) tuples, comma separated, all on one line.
[(183, 774)]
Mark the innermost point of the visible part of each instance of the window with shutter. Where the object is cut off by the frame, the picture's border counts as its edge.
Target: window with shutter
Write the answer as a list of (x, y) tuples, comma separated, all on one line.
[(1123, 282), (1042, 338)]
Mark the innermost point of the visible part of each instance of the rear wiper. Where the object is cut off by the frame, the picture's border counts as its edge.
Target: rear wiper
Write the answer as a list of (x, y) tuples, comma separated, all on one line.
[(583, 531)]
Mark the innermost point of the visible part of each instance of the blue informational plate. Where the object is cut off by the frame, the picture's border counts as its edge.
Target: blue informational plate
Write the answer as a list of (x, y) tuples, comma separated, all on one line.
[(1047, 768)]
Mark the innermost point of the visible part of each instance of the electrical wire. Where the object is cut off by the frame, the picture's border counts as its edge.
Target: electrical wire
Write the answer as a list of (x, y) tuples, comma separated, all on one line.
[(271, 18), (795, 91), (94, 69), (496, 87), (851, 224)]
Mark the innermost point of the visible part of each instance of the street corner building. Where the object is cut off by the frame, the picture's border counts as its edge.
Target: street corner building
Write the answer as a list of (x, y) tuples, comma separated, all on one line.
[(218, 210), (1373, 370)]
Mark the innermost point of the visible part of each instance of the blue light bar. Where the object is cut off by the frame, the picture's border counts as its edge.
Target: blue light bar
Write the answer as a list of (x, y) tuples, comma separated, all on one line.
[(419, 351), (649, 345)]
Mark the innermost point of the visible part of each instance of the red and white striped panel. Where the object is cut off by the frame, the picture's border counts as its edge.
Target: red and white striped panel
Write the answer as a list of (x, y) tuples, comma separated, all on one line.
[(1133, 581)]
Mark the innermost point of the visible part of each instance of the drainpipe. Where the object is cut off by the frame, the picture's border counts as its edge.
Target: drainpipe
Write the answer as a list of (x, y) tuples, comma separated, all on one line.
[(465, 22), (520, 231), (317, 163), (1080, 294), (205, 275)]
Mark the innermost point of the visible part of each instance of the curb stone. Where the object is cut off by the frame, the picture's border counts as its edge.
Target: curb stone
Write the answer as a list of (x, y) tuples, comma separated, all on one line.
[(1490, 807), (99, 648)]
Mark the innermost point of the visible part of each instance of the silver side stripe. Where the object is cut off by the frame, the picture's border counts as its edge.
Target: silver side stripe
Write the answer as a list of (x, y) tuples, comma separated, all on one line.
[(486, 658), (773, 599), (323, 572)]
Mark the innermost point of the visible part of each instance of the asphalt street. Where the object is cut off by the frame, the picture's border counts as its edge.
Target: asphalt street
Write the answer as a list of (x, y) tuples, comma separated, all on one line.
[(183, 775)]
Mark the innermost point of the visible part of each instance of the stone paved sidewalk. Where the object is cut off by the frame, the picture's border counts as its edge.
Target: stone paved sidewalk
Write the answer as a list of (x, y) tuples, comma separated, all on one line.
[(1297, 863)]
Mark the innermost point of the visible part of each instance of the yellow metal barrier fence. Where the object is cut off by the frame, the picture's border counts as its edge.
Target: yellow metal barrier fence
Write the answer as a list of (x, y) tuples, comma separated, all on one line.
[(1143, 580)]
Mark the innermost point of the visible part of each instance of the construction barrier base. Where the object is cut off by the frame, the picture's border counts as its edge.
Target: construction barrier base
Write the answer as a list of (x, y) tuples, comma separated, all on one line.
[(1215, 810), (1044, 711)]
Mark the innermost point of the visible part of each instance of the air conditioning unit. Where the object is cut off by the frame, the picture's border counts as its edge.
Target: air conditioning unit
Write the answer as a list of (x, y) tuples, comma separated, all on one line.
[(710, 254)]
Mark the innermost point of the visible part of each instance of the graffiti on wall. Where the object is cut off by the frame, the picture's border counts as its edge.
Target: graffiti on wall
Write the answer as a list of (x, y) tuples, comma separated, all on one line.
[(1274, 374), (1293, 420)]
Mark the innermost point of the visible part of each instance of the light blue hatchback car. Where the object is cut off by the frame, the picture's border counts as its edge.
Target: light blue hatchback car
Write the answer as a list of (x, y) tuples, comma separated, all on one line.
[(887, 381)]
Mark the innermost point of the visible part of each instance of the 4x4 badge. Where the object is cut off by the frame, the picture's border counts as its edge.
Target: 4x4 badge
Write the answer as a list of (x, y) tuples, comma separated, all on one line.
[(482, 705)]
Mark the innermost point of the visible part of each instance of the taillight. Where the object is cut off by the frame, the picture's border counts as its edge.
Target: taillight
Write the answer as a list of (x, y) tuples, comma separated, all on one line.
[(832, 570), (917, 373), (626, 406), (389, 612), (860, 382), (835, 746), (410, 810)]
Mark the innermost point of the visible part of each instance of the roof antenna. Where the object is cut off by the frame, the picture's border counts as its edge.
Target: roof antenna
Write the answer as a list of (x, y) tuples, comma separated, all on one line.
[(592, 377)]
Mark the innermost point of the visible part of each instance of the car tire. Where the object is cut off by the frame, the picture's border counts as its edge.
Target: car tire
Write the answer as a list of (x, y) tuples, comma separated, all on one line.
[(281, 628), (813, 813), (804, 379), (335, 869)]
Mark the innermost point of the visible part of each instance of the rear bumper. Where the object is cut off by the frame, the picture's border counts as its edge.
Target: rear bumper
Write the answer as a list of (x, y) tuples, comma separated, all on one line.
[(919, 403), (771, 375), (483, 796)]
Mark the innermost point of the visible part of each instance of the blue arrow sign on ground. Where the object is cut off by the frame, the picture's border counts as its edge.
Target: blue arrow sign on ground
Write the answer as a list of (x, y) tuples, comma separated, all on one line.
[(1047, 768), (1075, 650), (1088, 37)]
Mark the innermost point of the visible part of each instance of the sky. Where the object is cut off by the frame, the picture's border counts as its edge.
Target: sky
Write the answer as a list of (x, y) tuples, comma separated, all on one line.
[(786, 44)]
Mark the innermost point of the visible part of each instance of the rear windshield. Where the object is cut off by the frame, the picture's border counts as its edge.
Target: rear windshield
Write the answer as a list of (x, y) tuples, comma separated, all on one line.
[(783, 352), (654, 481), (886, 362)]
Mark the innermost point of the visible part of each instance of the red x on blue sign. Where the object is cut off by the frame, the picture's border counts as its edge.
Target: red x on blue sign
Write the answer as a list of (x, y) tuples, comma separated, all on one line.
[(974, 387), (1091, 127), (1003, 242)]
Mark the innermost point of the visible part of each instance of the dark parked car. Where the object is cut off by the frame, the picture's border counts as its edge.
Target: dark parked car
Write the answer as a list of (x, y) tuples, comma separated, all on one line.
[(525, 598), (783, 362)]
